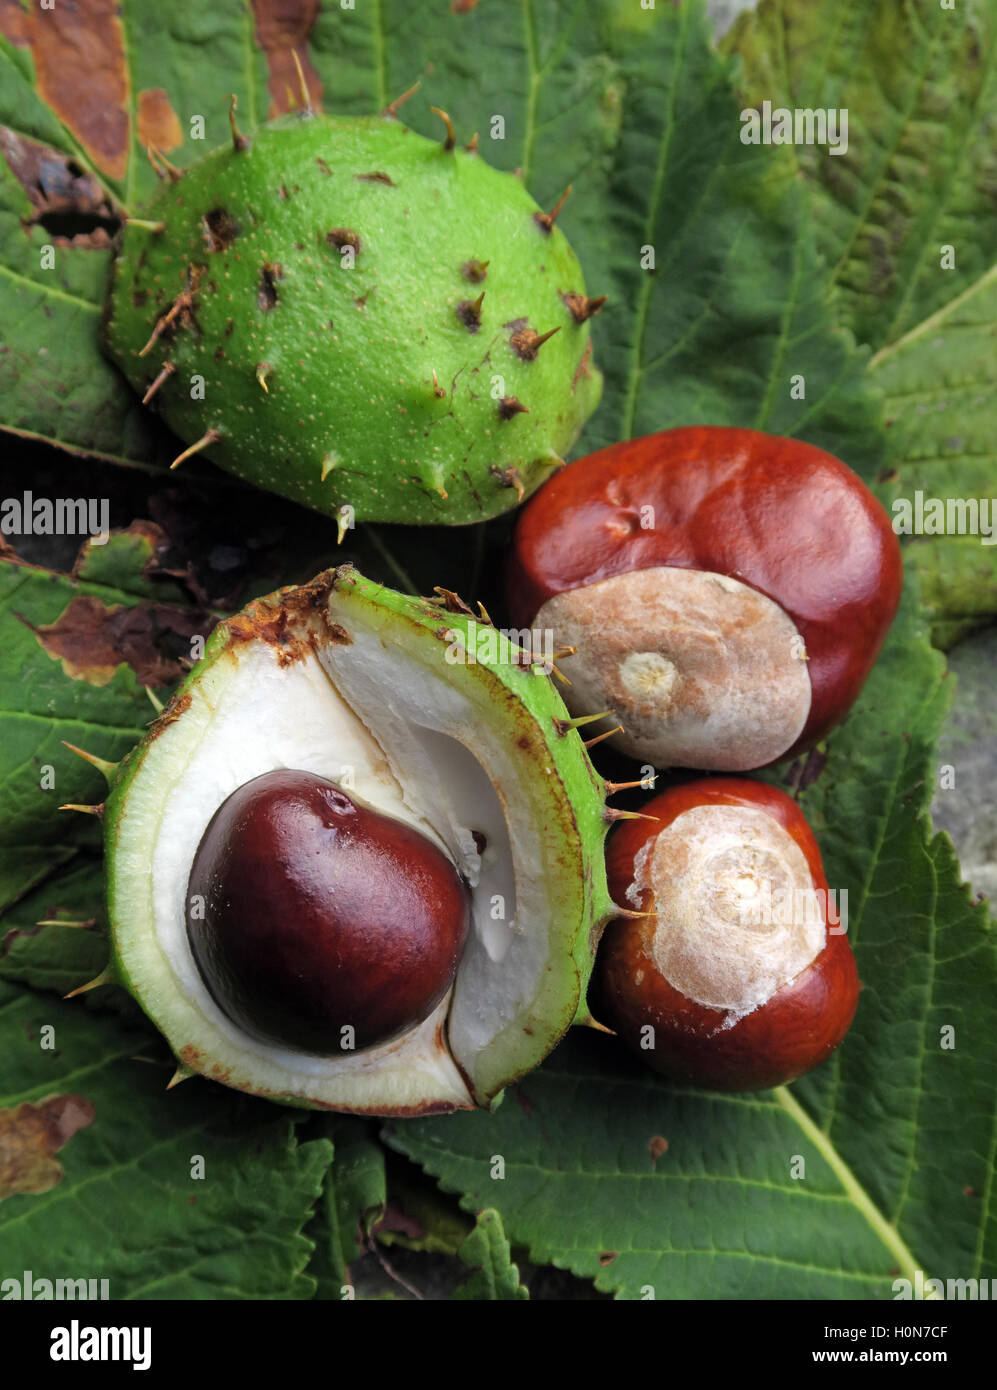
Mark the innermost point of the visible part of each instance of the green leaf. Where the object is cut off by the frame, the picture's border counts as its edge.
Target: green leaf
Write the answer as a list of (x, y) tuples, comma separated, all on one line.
[(353, 1196), (958, 584), (486, 1252), (633, 108), (919, 83), (905, 222), (122, 562), (940, 382), (926, 956), (58, 958), (54, 384), (89, 696), (128, 1207), (418, 1216), (629, 106)]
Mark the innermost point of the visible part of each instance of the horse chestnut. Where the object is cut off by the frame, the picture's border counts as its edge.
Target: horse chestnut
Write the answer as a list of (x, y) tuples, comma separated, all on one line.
[(733, 979), (727, 591), (309, 914)]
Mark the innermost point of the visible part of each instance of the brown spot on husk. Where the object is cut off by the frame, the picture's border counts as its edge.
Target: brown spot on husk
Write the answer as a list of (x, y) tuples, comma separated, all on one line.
[(220, 229), (395, 1112), (342, 236), (449, 601), (468, 312), (295, 627), (582, 370), (269, 275), (181, 313), (546, 220), (509, 477), (526, 343), (376, 177), (177, 706)]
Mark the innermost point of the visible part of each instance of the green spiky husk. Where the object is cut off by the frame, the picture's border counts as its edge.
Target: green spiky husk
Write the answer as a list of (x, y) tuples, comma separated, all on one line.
[(359, 386)]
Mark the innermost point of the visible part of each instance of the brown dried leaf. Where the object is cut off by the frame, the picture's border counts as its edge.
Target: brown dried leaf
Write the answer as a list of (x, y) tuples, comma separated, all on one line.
[(81, 71), (283, 28), (67, 201), (395, 1219), (31, 1134), (657, 1146), (157, 121), (92, 640)]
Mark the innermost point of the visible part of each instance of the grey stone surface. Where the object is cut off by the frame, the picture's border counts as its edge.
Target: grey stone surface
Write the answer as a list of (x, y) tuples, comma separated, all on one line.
[(968, 809)]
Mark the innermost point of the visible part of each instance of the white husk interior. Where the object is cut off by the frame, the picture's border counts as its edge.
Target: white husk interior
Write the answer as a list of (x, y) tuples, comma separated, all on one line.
[(248, 715), (430, 730)]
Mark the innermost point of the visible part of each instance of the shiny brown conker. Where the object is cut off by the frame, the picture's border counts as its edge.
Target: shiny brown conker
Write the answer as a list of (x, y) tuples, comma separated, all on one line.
[(716, 985), (726, 591), (318, 923)]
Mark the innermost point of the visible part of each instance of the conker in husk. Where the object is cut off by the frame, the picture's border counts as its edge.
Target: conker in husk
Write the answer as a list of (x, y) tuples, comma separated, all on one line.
[(737, 978), (727, 591), (309, 913)]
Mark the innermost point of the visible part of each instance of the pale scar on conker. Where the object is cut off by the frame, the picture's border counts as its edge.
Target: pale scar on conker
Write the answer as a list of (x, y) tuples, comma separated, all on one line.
[(738, 975)]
